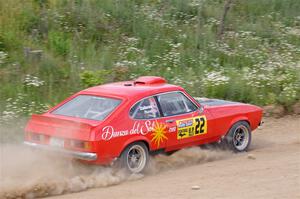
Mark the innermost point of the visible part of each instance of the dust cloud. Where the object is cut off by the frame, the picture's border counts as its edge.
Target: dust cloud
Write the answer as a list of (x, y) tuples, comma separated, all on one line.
[(186, 157), (31, 174)]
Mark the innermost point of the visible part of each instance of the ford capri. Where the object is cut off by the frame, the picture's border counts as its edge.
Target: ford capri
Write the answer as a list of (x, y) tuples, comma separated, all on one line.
[(128, 121)]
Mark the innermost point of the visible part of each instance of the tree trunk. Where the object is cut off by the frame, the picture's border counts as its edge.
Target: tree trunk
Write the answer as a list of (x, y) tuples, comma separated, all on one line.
[(223, 18)]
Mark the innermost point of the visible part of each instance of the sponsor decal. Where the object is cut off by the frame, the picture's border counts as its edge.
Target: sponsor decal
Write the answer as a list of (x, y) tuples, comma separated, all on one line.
[(158, 130), (172, 129), (158, 134), (143, 128), (191, 127), (185, 123), (142, 108)]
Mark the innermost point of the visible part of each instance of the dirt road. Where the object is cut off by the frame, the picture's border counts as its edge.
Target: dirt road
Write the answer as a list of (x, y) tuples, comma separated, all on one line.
[(271, 169)]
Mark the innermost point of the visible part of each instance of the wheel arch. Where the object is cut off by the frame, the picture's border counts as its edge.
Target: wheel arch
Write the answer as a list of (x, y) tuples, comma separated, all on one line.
[(133, 140), (239, 119), (229, 136)]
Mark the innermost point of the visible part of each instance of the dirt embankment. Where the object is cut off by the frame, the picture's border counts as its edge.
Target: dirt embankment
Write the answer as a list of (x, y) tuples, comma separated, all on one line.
[(271, 169)]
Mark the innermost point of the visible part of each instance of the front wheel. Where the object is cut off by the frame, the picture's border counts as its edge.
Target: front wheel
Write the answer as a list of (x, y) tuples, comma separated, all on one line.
[(239, 137), (135, 157)]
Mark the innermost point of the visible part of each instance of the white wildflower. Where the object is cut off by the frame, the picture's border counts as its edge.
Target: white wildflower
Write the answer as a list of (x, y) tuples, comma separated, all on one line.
[(3, 56), (33, 81)]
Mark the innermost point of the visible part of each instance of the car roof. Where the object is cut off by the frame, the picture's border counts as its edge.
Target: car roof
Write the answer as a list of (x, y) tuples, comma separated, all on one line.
[(141, 87)]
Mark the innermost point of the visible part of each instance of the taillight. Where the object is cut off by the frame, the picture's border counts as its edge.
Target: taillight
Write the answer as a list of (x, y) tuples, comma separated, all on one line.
[(36, 137), (80, 144)]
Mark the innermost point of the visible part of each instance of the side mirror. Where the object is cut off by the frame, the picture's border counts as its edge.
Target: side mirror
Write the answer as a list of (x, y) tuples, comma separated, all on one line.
[(201, 109)]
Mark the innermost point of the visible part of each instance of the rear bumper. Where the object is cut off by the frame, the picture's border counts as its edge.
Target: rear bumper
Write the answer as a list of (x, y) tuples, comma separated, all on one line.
[(76, 154)]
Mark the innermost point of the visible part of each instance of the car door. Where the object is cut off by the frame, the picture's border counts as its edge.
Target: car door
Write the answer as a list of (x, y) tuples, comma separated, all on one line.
[(183, 118), (148, 120)]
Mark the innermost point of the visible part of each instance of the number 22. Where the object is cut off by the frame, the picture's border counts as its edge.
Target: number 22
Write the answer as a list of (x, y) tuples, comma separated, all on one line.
[(200, 125)]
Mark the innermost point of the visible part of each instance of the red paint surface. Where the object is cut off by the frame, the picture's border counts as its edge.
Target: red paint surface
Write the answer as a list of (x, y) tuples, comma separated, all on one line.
[(219, 121)]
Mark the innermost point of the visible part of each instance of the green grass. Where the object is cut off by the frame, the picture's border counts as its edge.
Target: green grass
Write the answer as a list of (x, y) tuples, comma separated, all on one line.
[(257, 61)]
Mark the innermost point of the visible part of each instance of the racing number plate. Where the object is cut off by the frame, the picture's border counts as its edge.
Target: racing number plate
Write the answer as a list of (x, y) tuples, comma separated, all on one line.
[(57, 142), (191, 127)]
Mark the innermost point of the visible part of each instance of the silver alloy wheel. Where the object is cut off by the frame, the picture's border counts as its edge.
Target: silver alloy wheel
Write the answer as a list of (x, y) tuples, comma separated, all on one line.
[(136, 158), (241, 137)]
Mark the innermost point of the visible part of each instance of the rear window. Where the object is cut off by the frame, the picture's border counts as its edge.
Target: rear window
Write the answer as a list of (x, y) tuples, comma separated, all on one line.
[(88, 107)]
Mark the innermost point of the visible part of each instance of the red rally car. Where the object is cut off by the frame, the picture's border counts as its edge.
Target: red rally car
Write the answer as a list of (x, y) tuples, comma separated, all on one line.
[(125, 121)]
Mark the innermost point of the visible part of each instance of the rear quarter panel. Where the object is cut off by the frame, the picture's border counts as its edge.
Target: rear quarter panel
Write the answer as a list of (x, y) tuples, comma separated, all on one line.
[(116, 133)]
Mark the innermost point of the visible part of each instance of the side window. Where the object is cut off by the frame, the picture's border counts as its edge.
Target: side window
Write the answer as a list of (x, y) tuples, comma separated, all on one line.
[(145, 109), (175, 103)]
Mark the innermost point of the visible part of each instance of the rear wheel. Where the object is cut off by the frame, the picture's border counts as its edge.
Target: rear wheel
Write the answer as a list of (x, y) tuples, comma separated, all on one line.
[(135, 157), (239, 137)]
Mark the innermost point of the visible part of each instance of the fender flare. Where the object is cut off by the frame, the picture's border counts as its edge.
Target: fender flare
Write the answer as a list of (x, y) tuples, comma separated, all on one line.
[(135, 139), (237, 119)]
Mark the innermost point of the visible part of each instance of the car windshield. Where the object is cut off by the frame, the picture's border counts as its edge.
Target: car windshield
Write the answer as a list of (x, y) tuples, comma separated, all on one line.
[(88, 107)]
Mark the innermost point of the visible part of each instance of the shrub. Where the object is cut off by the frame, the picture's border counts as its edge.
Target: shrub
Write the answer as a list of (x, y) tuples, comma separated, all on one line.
[(93, 78), (59, 42)]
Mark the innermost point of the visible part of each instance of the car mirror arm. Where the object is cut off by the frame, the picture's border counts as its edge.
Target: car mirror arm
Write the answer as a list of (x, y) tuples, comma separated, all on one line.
[(201, 109)]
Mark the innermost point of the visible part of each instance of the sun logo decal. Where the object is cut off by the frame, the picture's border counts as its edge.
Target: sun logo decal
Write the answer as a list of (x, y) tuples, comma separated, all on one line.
[(158, 133)]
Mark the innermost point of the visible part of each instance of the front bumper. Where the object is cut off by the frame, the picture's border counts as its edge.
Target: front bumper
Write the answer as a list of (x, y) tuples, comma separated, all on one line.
[(76, 154), (260, 124)]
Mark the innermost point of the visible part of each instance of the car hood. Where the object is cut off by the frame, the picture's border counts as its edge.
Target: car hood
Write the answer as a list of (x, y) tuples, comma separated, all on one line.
[(214, 102)]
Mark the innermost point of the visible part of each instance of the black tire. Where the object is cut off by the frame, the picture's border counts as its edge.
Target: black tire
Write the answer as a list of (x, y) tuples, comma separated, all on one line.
[(238, 138), (135, 158)]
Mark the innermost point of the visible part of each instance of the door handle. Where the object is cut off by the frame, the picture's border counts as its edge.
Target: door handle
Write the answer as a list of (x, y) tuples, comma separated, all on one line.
[(169, 121)]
